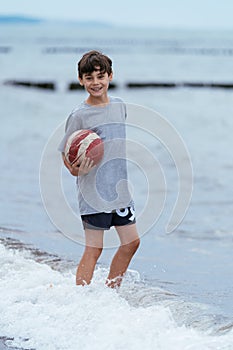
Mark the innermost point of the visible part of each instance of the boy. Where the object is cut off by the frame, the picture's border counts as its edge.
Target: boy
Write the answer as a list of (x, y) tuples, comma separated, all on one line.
[(104, 198)]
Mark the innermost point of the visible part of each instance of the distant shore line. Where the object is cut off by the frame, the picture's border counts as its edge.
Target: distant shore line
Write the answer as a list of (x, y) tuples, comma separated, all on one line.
[(51, 85)]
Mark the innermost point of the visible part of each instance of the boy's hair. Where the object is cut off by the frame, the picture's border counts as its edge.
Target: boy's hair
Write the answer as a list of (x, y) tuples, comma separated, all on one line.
[(93, 60)]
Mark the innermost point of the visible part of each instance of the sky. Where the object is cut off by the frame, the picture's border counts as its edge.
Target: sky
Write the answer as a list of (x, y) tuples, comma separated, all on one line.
[(145, 13)]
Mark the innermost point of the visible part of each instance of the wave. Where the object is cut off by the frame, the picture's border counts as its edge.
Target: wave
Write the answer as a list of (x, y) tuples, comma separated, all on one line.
[(43, 309)]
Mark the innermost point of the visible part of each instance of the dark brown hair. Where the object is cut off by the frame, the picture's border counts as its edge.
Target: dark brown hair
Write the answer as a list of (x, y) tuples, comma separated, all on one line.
[(93, 60)]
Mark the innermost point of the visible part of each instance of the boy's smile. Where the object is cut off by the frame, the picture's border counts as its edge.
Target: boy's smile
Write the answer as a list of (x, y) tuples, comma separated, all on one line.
[(96, 84)]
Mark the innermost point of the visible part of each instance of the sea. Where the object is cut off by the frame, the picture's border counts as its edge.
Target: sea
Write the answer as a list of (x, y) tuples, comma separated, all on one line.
[(178, 291)]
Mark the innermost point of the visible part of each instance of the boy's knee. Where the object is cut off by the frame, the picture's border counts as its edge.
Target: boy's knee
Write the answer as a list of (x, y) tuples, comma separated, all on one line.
[(136, 244), (131, 247), (94, 252)]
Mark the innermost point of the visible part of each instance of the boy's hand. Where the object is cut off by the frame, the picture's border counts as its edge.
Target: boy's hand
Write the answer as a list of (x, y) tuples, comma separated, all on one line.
[(77, 168), (85, 166)]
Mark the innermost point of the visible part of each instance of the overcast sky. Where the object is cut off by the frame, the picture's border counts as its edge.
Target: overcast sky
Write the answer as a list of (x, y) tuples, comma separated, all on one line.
[(166, 13)]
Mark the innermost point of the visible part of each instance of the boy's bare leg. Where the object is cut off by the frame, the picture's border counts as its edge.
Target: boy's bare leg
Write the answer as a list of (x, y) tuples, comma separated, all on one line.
[(93, 249), (129, 244)]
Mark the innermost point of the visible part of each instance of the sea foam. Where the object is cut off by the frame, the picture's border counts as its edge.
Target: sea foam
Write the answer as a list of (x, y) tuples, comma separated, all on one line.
[(43, 309)]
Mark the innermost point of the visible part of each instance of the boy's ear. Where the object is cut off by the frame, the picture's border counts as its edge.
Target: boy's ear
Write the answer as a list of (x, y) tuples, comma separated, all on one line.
[(80, 81), (111, 76)]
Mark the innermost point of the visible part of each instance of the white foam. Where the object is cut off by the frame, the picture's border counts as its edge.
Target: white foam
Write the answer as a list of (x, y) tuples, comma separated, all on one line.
[(43, 309)]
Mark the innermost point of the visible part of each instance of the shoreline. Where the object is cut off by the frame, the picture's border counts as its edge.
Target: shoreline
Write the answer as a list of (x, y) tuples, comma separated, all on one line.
[(3, 346), (2, 343)]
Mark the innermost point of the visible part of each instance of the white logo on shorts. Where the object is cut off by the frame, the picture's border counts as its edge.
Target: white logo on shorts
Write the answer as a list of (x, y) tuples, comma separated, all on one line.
[(124, 212)]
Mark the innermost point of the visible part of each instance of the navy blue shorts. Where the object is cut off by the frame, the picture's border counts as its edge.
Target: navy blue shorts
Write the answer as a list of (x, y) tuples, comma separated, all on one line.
[(103, 221)]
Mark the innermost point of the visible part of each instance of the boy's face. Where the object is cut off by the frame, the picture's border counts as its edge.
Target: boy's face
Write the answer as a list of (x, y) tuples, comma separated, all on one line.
[(96, 83)]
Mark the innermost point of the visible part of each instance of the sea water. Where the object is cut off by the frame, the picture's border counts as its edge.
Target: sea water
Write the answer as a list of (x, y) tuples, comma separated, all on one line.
[(178, 291)]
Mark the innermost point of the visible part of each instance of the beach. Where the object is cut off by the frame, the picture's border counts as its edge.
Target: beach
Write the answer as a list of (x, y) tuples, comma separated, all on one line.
[(178, 292)]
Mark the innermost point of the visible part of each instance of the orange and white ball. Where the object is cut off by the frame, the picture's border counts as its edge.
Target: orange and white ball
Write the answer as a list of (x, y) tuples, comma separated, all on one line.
[(84, 143)]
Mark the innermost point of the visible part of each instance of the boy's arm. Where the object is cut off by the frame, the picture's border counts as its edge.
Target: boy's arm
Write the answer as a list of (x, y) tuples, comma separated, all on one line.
[(77, 168)]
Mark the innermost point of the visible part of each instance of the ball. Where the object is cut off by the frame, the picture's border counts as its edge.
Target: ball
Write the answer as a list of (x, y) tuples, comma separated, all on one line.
[(84, 143)]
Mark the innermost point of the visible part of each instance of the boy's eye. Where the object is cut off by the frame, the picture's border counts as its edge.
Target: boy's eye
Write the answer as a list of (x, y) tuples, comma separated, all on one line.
[(99, 76)]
